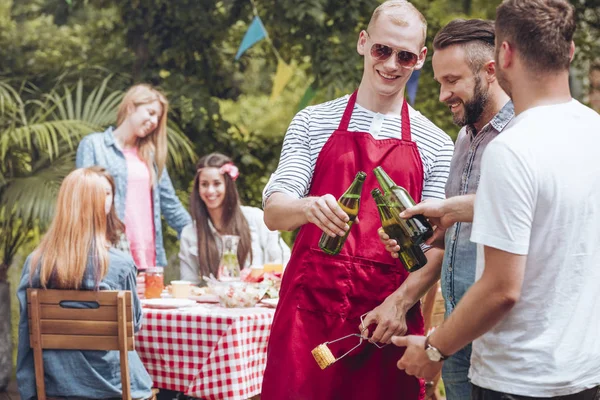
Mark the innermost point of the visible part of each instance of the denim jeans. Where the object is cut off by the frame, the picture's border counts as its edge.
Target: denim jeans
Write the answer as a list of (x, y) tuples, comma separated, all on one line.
[(455, 374), (486, 394)]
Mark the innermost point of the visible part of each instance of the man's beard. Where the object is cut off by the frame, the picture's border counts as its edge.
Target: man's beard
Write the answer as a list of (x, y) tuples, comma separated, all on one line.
[(474, 107)]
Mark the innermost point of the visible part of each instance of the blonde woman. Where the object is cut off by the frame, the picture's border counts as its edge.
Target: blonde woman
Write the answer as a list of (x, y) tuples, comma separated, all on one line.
[(135, 153), (78, 253)]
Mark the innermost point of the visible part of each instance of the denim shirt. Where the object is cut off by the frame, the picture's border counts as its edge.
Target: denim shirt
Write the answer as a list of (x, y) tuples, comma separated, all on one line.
[(458, 268), (101, 149), (76, 373)]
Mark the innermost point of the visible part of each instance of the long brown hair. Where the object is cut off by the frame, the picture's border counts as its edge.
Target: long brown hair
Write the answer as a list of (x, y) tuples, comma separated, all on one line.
[(77, 234), (152, 148), (233, 223), (114, 226)]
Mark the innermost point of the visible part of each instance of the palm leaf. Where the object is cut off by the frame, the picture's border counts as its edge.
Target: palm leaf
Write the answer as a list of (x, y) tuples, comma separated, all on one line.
[(9, 98), (98, 109), (46, 136), (180, 147), (32, 197)]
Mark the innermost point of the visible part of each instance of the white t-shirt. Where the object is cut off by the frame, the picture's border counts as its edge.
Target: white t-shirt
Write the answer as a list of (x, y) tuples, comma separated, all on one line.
[(539, 196)]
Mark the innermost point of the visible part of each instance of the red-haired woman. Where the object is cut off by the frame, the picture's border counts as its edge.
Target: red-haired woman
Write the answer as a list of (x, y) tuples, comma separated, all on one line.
[(78, 253)]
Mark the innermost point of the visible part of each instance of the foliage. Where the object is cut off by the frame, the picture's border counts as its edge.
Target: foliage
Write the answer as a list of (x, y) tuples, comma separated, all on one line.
[(38, 138), (588, 32), (34, 157), (187, 48), (39, 46)]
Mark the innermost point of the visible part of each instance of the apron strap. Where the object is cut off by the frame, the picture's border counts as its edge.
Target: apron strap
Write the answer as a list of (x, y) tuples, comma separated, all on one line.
[(405, 122), (348, 112)]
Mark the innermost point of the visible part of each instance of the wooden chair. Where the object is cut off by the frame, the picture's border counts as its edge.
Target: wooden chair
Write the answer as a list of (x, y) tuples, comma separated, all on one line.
[(108, 327)]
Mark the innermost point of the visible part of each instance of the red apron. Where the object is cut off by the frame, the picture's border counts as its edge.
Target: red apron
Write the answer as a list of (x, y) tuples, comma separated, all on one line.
[(323, 296)]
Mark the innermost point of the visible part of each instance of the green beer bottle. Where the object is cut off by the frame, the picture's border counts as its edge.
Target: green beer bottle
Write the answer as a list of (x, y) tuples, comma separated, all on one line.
[(349, 202), (417, 228), (411, 255)]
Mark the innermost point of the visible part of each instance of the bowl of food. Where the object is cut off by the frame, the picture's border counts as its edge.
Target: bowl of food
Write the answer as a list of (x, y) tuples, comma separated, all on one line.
[(237, 294), (271, 280)]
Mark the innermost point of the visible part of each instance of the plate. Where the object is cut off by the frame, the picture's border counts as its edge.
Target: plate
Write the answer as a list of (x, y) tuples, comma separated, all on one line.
[(205, 298), (167, 303), (270, 302)]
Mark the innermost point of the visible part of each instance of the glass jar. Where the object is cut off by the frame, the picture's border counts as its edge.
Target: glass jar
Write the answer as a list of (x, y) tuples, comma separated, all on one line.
[(154, 282), (229, 266), (274, 257)]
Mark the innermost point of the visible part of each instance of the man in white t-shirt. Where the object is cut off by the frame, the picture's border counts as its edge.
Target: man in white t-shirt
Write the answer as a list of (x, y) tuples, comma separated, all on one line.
[(535, 309)]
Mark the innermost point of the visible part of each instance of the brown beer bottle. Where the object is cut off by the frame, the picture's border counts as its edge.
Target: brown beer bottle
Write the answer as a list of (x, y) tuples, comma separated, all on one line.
[(411, 255), (417, 228), (350, 203)]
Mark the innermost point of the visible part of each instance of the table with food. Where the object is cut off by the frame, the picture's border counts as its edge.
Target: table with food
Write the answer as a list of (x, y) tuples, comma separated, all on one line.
[(210, 342)]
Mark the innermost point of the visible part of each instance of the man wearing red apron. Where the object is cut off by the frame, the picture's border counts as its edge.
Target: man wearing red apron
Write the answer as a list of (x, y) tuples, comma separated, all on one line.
[(322, 296)]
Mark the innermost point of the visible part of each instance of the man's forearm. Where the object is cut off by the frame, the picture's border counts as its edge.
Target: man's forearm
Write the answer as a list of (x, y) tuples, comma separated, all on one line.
[(476, 314), (485, 304), (284, 213), (419, 282), (460, 208)]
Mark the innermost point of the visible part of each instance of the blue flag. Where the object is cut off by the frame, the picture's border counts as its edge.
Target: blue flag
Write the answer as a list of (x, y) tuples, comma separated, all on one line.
[(411, 86), (256, 31)]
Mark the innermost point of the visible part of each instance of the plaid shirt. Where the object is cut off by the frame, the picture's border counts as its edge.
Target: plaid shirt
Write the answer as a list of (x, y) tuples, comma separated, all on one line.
[(458, 269)]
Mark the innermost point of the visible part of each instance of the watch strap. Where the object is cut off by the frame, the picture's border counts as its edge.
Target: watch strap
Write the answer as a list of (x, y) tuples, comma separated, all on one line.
[(429, 346)]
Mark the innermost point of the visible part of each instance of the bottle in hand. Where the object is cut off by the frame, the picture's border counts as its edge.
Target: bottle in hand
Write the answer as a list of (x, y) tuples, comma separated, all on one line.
[(417, 228), (350, 203), (410, 254)]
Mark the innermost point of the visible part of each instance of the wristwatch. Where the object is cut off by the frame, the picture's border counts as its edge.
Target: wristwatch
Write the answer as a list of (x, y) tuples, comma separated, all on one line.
[(432, 353)]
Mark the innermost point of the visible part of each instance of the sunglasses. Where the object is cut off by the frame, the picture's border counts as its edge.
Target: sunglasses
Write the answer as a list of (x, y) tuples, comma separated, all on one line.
[(381, 52)]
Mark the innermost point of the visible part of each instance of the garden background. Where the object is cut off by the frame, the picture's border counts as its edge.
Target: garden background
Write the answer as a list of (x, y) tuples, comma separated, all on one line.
[(65, 63)]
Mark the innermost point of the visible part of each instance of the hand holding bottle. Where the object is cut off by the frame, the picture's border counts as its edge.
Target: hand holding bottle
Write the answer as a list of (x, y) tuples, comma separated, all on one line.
[(403, 247), (433, 209), (326, 213), (417, 229), (391, 246), (444, 213), (349, 203)]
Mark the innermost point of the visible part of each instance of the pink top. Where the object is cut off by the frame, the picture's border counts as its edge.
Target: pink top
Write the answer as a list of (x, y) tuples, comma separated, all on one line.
[(138, 211)]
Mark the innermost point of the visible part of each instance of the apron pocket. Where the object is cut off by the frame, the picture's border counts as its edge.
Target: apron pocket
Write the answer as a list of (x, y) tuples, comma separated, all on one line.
[(370, 283), (324, 283)]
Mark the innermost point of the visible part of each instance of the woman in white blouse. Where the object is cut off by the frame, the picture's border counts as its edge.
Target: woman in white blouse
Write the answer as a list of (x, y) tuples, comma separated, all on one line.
[(216, 210)]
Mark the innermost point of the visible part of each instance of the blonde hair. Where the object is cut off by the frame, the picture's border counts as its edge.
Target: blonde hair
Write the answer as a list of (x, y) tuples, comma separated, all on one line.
[(152, 148), (77, 234), (115, 228), (396, 10)]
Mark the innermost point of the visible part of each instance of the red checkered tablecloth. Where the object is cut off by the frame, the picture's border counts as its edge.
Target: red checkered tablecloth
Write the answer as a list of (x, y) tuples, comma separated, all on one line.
[(206, 351)]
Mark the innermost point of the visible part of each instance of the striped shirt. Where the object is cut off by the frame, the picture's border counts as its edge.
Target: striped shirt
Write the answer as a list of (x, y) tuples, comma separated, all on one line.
[(311, 127)]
